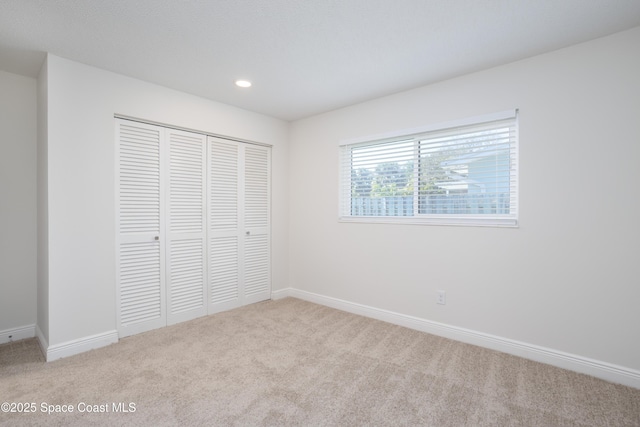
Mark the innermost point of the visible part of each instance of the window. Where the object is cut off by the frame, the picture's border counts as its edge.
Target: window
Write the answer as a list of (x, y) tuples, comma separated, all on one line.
[(462, 173)]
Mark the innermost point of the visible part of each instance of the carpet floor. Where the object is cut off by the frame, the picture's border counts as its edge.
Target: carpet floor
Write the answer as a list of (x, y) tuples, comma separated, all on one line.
[(294, 363)]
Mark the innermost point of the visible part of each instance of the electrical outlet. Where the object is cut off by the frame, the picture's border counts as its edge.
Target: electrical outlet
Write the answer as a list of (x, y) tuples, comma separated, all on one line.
[(441, 297)]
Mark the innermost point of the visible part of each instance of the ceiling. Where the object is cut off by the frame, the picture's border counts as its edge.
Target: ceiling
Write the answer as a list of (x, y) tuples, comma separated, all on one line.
[(304, 57)]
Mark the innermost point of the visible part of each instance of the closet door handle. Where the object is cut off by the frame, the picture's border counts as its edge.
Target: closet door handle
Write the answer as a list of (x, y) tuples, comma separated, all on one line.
[(248, 233), (156, 238)]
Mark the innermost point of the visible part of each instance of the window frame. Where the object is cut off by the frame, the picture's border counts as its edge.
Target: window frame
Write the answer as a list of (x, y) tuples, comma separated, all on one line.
[(482, 220)]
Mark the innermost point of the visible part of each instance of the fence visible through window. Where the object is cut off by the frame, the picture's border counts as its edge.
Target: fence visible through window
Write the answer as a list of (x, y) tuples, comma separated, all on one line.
[(456, 204)]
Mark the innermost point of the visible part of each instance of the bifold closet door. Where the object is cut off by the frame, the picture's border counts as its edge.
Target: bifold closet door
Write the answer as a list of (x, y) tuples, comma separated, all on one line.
[(239, 224), (161, 205), (140, 274), (186, 226)]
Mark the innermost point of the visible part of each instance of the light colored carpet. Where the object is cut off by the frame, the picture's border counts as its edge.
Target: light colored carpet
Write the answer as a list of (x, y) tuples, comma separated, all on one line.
[(294, 363)]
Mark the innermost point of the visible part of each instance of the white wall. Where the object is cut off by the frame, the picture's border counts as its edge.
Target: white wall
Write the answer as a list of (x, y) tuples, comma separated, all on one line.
[(82, 101), (18, 239), (567, 278)]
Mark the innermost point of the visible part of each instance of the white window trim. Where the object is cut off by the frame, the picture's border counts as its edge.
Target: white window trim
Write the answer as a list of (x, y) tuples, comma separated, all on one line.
[(510, 221)]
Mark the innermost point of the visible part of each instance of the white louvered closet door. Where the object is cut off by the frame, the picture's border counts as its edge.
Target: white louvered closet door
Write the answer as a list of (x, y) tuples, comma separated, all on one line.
[(225, 219), (239, 224), (193, 225), (140, 277), (257, 220), (186, 226)]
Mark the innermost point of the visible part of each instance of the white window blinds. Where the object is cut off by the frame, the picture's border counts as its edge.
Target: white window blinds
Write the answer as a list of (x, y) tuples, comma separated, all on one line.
[(456, 174)]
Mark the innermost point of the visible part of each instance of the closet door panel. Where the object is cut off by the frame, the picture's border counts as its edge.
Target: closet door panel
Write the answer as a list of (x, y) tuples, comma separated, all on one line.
[(225, 245), (257, 219), (186, 210), (140, 276)]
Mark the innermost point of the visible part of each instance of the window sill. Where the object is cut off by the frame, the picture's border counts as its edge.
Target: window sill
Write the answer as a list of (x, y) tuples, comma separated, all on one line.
[(434, 220)]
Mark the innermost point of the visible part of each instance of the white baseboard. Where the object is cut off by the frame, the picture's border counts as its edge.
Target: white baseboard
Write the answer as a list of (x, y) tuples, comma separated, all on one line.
[(584, 365), (44, 344), (15, 334), (281, 293), (81, 345)]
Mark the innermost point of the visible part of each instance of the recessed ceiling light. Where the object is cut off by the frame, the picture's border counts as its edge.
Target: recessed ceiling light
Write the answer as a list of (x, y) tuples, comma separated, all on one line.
[(243, 83)]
